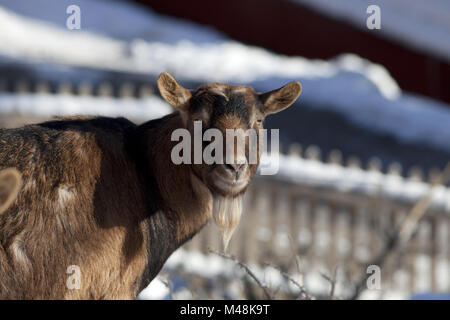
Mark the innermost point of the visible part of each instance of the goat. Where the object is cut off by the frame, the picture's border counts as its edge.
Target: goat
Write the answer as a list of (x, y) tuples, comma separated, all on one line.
[(102, 194)]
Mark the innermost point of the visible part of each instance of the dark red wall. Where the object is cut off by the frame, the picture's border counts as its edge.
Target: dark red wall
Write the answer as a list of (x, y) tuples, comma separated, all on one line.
[(292, 29)]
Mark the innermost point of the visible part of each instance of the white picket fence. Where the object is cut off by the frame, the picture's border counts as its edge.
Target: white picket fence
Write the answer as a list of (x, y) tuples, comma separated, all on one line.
[(342, 225)]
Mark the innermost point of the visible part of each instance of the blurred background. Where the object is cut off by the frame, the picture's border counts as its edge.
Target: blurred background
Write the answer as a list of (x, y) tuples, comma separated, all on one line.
[(362, 145)]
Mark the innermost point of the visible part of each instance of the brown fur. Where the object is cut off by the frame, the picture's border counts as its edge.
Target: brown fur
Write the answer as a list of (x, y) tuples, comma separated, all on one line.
[(104, 195), (10, 182)]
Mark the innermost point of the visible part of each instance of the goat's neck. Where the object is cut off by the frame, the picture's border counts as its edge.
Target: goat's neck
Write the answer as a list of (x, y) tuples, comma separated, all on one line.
[(183, 198), (180, 203)]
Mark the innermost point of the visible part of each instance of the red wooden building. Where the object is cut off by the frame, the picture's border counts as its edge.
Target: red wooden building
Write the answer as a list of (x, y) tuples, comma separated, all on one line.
[(324, 29)]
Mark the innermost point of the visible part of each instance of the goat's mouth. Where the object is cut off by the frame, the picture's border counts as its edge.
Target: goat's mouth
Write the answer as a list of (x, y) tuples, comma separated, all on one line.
[(228, 184)]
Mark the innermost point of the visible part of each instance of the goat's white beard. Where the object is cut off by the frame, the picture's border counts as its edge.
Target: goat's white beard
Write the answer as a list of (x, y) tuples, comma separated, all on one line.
[(227, 214)]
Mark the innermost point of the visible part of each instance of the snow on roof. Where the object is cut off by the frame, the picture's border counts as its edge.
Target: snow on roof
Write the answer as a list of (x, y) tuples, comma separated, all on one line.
[(423, 25), (50, 105), (149, 43), (355, 180)]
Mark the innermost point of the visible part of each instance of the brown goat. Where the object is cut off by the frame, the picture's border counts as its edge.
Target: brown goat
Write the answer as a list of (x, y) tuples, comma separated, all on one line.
[(103, 194)]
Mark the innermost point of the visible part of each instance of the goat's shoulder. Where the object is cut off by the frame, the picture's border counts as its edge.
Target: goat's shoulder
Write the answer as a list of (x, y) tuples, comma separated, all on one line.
[(63, 135), (62, 161)]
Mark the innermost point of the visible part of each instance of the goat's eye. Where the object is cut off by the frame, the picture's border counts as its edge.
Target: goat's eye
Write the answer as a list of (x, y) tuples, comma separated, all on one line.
[(259, 121)]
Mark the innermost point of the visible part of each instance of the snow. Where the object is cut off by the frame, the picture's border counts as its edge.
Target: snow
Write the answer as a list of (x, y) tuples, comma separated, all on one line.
[(424, 25), (50, 105), (156, 290), (212, 266), (120, 20), (355, 180), (363, 92)]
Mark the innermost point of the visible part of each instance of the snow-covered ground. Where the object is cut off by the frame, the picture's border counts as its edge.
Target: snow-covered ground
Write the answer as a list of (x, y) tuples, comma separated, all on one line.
[(121, 36)]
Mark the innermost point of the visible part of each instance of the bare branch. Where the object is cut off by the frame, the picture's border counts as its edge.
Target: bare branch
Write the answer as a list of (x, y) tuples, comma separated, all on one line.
[(297, 260), (166, 282), (246, 269), (404, 232), (332, 282), (288, 277)]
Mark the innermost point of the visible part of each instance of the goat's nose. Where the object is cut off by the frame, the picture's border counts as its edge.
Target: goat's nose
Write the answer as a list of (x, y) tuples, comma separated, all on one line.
[(236, 167)]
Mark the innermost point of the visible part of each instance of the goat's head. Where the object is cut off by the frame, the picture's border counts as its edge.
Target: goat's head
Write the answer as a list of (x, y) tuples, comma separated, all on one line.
[(10, 183), (226, 108)]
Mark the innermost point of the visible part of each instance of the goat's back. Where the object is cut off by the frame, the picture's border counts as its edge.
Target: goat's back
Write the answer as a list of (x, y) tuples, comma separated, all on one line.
[(81, 204)]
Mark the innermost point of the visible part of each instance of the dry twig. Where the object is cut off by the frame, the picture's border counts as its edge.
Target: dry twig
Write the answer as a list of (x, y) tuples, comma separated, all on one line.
[(303, 293), (246, 269), (166, 282), (332, 281), (405, 231)]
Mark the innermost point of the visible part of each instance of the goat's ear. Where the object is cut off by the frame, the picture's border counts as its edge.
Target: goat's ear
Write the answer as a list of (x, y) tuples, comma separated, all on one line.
[(172, 92), (277, 100), (10, 183)]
